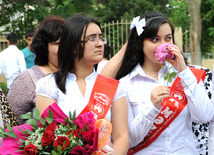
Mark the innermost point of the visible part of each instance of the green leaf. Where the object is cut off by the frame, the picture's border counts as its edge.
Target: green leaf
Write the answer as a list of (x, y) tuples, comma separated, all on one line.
[(3, 135), (23, 141), (35, 127), (25, 116), (11, 134), (50, 114), (85, 127), (49, 120), (54, 153), (173, 74), (43, 152), (9, 128), (59, 149), (31, 122), (2, 129), (42, 121), (165, 78), (70, 116), (64, 144), (74, 115), (22, 131), (28, 131), (36, 113), (170, 79)]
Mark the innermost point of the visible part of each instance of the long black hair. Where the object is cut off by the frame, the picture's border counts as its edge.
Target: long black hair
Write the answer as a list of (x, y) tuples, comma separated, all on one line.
[(70, 46), (134, 53)]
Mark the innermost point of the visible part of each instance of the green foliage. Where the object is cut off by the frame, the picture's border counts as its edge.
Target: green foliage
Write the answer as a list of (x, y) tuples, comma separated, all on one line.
[(113, 10), (21, 15), (181, 18), (34, 123), (168, 76), (4, 87), (207, 8)]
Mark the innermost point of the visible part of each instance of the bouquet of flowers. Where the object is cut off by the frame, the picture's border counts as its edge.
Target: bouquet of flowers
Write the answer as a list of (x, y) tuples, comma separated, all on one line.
[(59, 135), (161, 53)]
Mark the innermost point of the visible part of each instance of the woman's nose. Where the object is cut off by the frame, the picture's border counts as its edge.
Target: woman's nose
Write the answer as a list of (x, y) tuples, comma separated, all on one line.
[(162, 41)]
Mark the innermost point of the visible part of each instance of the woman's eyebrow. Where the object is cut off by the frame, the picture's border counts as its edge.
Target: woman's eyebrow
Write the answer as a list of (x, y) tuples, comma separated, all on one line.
[(93, 34), (165, 35), (169, 34)]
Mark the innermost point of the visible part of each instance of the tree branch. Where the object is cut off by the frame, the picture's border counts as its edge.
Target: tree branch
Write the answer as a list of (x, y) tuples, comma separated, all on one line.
[(204, 18)]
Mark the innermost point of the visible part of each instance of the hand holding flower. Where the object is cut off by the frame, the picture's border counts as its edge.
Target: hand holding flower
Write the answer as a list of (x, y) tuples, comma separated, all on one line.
[(178, 63), (168, 51), (158, 94)]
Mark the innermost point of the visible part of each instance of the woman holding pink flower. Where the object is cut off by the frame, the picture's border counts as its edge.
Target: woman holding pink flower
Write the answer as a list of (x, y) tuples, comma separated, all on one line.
[(164, 95), (77, 86)]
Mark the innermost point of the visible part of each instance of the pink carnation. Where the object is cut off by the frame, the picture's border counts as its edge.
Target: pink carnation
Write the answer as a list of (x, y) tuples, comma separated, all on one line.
[(85, 118), (161, 52)]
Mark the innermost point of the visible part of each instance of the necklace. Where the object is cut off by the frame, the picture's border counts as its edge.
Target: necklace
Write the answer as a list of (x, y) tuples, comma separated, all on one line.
[(148, 73)]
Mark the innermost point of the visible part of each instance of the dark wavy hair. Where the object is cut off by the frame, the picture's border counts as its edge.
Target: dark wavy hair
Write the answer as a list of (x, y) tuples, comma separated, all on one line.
[(70, 46), (48, 31), (134, 53)]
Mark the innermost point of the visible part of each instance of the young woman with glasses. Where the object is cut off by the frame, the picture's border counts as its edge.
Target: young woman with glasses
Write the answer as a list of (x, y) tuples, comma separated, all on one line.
[(81, 46)]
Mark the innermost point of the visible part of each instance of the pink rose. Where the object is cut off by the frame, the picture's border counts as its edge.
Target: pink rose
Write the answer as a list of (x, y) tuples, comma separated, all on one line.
[(88, 136), (161, 52)]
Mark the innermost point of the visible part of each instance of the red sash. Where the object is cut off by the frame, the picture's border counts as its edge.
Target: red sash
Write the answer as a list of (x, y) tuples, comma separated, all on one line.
[(101, 96), (171, 108)]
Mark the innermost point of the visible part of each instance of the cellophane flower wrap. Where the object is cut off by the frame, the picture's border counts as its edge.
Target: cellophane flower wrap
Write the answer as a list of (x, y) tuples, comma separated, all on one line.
[(53, 133), (162, 53)]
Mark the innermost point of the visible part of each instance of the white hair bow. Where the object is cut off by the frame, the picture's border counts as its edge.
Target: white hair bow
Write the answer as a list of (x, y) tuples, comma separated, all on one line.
[(138, 24)]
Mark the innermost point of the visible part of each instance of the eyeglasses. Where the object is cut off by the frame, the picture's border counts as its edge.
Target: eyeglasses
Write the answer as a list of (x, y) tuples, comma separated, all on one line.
[(94, 41)]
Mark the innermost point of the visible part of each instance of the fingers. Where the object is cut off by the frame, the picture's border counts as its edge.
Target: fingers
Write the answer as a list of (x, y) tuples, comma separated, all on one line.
[(158, 94), (178, 63)]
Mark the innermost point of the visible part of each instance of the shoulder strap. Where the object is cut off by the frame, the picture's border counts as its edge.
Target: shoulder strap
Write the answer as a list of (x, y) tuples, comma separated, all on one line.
[(33, 76)]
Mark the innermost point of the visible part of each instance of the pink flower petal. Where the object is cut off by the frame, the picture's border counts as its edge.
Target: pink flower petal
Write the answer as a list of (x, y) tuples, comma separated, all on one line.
[(161, 52)]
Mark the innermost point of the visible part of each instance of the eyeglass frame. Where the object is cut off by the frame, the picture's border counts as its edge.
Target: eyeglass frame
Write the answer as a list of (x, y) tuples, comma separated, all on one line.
[(104, 41)]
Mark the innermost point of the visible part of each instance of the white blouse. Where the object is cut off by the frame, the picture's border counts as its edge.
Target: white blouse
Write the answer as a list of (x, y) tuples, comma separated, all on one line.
[(177, 138), (73, 99)]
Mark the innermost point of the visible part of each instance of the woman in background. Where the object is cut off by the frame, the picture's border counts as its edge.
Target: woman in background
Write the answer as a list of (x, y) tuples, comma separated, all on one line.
[(22, 94)]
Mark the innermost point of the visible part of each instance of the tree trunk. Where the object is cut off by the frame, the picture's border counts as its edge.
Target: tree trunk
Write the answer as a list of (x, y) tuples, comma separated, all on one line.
[(195, 31)]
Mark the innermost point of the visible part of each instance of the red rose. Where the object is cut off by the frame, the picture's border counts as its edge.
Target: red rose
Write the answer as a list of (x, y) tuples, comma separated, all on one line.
[(91, 138), (52, 126), (48, 138), (60, 141), (31, 149), (79, 150), (76, 132), (88, 136)]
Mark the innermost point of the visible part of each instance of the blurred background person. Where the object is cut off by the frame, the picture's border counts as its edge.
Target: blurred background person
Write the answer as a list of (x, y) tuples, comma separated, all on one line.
[(22, 94), (29, 56), (12, 61)]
